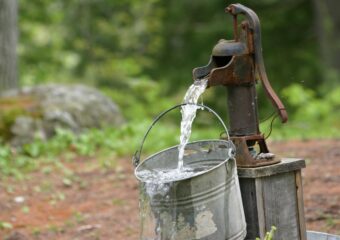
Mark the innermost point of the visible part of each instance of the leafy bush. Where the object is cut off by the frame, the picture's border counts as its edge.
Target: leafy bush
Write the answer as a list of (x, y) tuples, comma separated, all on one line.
[(310, 116), (94, 142)]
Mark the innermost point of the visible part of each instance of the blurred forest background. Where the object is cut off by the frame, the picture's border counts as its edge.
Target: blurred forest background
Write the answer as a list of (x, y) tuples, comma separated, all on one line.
[(141, 54)]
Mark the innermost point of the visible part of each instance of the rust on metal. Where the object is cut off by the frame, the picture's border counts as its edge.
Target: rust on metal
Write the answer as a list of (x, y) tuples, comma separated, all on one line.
[(235, 64), (244, 157), (254, 25)]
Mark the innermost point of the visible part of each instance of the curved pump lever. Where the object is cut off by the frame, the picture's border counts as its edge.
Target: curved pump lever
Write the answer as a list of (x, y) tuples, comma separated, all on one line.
[(254, 25)]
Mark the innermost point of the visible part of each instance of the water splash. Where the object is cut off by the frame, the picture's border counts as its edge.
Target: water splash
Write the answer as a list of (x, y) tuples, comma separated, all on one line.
[(162, 176), (188, 115)]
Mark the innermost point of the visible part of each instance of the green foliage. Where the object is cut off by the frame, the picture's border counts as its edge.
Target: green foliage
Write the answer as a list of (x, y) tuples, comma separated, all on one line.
[(5, 225), (99, 42), (109, 43), (142, 99), (141, 53), (269, 235), (13, 107), (10, 162), (102, 143), (318, 118), (310, 116)]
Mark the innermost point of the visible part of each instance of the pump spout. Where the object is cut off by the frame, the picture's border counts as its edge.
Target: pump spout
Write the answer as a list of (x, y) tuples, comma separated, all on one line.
[(240, 61), (226, 70), (226, 62)]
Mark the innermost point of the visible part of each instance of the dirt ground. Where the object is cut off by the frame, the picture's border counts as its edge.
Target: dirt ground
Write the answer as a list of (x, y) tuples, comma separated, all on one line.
[(93, 202)]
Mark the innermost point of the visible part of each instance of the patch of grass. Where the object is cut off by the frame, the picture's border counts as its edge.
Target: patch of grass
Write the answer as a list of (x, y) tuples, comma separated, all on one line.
[(82, 184), (5, 225), (69, 223), (36, 231), (47, 170), (79, 217), (269, 235), (25, 209), (58, 196), (67, 182), (10, 189), (109, 143), (46, 187), (55, 229), (117, 202), (330, 221), (106, 144)]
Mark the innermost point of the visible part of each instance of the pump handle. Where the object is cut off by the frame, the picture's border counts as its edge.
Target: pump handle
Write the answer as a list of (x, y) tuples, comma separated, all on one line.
[(254, 25)]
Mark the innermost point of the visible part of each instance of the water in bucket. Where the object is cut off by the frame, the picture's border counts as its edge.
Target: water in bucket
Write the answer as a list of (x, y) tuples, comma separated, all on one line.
[(191, 191)]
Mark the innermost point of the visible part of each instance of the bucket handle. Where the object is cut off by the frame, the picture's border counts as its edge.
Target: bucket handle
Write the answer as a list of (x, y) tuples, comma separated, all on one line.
[(136, 157)]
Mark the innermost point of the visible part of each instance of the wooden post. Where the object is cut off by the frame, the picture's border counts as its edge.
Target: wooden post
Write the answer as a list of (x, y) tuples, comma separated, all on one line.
[(272, 196)]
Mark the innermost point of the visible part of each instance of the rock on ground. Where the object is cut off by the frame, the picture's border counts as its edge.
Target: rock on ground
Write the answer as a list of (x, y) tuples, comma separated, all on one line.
[(74, 107)]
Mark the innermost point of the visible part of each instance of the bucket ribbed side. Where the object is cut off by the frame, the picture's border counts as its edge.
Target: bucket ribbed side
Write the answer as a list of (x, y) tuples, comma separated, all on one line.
[(207, 206), (198, 198)]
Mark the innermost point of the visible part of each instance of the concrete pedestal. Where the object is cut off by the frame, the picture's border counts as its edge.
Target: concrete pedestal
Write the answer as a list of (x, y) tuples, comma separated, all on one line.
[(272, 196)]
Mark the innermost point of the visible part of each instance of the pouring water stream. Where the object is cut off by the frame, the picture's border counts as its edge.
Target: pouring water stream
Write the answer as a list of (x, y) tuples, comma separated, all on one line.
[(159, 181), (188, 116)]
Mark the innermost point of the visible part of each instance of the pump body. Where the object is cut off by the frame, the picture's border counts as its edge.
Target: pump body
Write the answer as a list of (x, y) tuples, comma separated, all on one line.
[(238, 64)]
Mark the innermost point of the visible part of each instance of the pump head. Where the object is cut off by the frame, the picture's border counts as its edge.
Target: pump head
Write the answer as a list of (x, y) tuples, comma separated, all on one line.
[(238, 64)]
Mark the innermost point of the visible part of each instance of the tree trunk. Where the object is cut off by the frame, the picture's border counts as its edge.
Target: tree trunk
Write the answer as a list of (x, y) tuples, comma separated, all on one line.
[(327, 22), (8, 43)]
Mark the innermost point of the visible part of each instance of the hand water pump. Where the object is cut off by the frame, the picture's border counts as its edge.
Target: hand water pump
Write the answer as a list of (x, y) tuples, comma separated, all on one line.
[(220, 202), (238, 64)]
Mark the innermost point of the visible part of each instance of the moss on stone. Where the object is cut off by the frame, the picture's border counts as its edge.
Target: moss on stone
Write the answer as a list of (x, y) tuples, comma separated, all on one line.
[(13, 107)]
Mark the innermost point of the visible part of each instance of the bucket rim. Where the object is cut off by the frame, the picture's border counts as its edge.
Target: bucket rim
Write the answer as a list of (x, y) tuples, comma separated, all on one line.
[(195, 175)]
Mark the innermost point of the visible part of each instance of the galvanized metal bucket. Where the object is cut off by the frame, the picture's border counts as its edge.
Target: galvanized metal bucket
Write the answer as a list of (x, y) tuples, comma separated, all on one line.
[(206, 206), (312, 235)]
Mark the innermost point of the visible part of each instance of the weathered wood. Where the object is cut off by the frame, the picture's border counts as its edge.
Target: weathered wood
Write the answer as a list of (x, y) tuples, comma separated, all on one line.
[(280, 205), (272, 196), (260, 207), (248, 192), (299, 194), (286, 165)]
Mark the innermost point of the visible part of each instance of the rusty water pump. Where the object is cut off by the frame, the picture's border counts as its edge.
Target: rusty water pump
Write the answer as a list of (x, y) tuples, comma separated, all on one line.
[(237, 64)]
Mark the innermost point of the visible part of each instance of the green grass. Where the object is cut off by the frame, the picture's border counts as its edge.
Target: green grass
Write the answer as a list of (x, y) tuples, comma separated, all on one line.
[(313, 118), (269, 235), (104, 144)]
